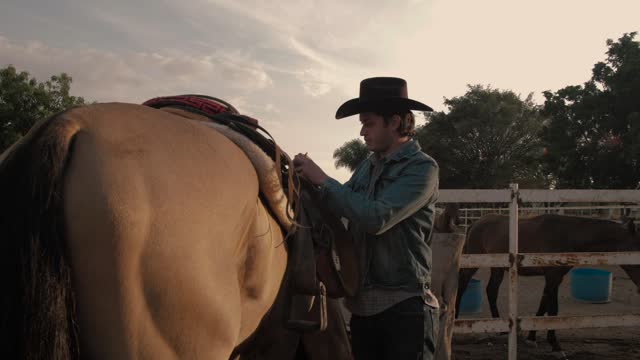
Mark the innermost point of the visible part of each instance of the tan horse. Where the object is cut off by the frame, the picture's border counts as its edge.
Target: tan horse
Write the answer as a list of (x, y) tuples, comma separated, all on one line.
[(546, 234), (131, 233)]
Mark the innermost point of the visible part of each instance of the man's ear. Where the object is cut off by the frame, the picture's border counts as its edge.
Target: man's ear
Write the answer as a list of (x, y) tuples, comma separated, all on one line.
[(395, 122)]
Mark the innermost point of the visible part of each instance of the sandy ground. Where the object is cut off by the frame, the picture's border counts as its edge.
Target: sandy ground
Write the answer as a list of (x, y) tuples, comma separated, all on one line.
[(616, 343)]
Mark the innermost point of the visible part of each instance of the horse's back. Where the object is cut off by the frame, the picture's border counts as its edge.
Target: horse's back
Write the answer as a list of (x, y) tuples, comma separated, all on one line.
[(173, 254), (490, 234), (546, 233)]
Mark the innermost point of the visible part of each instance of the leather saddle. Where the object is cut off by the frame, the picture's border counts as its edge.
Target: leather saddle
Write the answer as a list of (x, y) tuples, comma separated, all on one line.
[(322, 262), (321, 254)]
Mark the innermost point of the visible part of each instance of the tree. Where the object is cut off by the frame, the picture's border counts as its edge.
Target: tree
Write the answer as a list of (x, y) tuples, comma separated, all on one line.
[(593, 132), (488, 139), (24, 100), (350, 154)]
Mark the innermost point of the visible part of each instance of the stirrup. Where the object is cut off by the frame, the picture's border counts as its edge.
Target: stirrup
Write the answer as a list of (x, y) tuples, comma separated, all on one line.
[(308, 313)]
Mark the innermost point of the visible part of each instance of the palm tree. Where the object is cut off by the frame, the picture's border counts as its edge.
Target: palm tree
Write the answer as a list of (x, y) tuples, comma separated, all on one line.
[(350, 154)]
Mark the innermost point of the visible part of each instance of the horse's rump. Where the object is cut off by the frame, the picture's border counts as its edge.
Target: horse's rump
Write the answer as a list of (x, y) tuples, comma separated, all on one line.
[(173, 254)]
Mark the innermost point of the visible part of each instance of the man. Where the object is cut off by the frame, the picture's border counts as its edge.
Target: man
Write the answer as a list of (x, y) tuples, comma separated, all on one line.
[(389, 203)]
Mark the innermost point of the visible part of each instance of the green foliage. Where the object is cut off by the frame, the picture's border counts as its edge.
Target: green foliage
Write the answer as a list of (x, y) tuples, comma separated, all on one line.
[(593, 133), (487, 139), (351, 154), (24, 101)]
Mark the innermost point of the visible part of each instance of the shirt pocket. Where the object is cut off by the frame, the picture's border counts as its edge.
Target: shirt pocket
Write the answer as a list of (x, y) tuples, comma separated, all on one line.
[(384, 181), (392, 173), (359, 186)]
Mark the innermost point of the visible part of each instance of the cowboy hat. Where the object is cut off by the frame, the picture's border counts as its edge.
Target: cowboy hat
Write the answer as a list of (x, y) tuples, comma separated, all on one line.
[(381, 94)]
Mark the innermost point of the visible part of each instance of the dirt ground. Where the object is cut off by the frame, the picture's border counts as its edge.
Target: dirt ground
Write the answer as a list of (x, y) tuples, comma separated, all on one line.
[(616, 343)]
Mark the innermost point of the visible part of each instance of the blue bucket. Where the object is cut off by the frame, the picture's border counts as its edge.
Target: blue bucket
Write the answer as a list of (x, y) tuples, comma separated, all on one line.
[(591, 285), (471, 301)]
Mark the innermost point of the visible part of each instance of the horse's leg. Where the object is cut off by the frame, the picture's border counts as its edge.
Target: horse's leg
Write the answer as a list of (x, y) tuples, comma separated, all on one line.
[(542, 309), (464, 277), (553, 278), (497, 275)]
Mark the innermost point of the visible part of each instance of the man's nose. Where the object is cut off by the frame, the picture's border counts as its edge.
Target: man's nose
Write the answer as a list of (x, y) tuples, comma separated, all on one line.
[(362, 132)]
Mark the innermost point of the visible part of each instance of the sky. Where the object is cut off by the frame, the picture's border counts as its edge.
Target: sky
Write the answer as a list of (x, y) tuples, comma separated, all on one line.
[(291, 64)]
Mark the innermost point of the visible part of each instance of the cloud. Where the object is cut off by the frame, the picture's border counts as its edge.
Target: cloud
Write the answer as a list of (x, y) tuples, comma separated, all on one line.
[(255, 13), (309, 53), (327, 47), (324, 73), (316, 83), (316, 88), (136, 76), (125, 25)]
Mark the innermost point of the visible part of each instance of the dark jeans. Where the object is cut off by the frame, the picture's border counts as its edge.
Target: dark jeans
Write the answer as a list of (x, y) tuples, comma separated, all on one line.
[(407, 330)]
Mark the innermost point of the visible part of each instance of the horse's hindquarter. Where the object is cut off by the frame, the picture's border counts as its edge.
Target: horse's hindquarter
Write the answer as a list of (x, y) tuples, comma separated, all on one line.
[(163, 218), (489, 235)]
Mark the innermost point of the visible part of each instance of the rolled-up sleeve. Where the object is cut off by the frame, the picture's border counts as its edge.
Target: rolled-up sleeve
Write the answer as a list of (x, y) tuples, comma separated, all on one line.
[(415, 187)]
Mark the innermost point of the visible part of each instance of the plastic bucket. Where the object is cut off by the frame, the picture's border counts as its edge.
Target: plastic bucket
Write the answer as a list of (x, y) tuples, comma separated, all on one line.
[(591, 285), (471, 301)]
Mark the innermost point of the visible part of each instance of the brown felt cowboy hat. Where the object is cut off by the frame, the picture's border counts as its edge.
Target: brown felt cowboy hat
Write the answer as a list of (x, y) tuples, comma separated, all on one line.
[(381, 94)]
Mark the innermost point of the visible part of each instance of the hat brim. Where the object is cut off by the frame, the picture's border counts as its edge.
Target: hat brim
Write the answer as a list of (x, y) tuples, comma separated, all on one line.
[(357, 106)]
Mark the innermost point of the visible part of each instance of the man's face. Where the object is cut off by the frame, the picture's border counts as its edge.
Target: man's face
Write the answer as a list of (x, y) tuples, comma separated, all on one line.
[(377, 136)]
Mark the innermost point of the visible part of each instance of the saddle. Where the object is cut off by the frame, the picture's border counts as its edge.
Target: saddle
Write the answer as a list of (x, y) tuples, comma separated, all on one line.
[(321, 254)]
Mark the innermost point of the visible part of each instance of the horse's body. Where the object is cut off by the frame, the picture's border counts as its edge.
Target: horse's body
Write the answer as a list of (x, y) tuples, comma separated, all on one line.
[(133, 234), (546, 234)]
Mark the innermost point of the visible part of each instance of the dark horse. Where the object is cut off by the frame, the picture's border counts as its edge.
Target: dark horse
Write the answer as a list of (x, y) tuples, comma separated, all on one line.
[(546, 234)]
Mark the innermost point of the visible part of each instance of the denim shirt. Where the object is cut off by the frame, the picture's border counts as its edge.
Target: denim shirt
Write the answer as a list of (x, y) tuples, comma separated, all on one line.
[(391, 222)]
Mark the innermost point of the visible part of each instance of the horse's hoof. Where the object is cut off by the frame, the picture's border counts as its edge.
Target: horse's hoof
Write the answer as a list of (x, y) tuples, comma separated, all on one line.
[(531, 343), (561, 355)]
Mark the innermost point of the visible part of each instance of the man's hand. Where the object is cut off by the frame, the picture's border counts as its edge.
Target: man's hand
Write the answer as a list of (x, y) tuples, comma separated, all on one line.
[(305, 167)]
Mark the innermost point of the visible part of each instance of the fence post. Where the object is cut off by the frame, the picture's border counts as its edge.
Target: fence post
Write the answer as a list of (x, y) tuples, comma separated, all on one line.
[(513, 273)]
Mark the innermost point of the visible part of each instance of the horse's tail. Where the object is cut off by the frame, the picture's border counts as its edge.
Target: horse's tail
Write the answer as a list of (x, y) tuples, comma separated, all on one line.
[(37, 306)]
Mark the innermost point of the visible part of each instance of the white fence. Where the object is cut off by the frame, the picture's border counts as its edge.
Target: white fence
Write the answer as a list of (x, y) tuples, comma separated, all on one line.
[(514, 259)]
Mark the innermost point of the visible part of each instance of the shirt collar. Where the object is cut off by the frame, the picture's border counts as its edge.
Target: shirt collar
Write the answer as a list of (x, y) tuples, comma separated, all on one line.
[(403, 151)]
